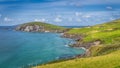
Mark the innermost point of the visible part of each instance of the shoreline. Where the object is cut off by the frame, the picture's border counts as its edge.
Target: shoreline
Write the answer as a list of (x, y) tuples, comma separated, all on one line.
[(77, 38)]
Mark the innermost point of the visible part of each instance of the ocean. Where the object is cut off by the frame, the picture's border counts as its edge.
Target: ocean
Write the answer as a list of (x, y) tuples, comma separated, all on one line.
[(23, 49)]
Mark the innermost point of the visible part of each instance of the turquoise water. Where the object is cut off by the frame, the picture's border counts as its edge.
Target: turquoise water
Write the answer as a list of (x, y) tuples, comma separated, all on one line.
[(22, 49)]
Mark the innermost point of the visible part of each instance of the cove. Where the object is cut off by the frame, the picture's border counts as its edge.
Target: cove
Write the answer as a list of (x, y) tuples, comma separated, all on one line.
[(22, 49)]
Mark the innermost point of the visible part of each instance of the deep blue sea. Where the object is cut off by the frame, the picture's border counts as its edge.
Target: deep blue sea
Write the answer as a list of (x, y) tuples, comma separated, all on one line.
[(24, 49)]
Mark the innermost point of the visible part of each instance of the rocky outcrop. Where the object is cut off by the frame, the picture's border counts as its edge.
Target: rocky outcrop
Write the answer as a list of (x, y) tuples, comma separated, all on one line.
[(36, 28), (79, 43), (30, 28), (76, 37)]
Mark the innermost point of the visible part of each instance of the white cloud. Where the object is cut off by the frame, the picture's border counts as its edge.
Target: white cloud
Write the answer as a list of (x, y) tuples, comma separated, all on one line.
[(78, 13), (78, 20), (0, 15), (91, 2), (59, 16), (112, 18), (6, 19), (86, 16), (36, 20), (57, 19), (109, 7), (70, 19), (41, 20)]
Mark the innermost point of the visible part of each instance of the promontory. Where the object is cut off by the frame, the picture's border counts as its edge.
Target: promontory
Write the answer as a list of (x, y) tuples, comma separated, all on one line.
[(39, 27)]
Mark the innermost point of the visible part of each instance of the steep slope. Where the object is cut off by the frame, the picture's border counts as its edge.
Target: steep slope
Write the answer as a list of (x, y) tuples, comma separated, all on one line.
[(111, 60), (39, 27)]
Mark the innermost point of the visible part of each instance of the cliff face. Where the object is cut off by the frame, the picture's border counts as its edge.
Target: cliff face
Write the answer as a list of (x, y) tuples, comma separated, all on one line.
[(29, 28), (40, 27)]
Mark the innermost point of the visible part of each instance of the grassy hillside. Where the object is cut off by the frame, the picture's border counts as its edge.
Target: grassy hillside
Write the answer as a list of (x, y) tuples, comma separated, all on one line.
[(104, 55), (46, 25), (111, 60), (42, 26), (108, 33)]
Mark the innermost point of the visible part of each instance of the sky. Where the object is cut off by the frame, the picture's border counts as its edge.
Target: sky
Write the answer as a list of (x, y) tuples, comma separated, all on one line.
[(59, 12)]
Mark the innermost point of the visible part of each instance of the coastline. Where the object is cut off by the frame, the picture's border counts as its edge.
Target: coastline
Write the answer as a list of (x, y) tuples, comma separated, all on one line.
[(63, 32), (78, 38), (33, 35), (95, 41)]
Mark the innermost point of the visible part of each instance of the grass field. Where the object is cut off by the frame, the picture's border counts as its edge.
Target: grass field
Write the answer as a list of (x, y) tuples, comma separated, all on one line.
[(111, 60), (108, 33)]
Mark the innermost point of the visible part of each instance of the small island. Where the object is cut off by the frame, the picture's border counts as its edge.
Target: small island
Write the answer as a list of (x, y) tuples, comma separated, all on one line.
[(39, 27)]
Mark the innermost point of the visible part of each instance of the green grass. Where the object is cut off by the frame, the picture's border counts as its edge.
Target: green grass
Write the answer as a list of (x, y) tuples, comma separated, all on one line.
[(111, 60), (107, 33), (105, 37), (103, 50)]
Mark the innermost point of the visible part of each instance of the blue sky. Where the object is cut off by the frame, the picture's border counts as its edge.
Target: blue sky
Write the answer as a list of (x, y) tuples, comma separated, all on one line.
[(59, 12)]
